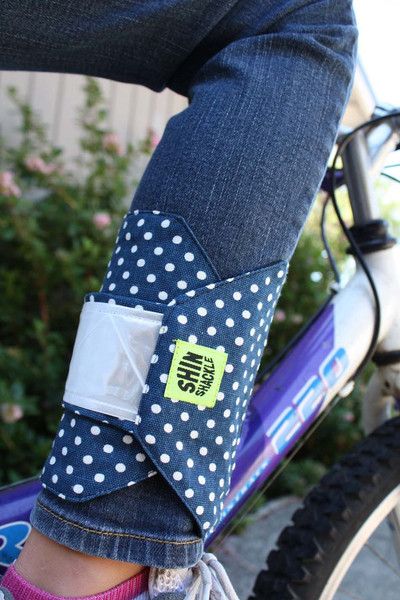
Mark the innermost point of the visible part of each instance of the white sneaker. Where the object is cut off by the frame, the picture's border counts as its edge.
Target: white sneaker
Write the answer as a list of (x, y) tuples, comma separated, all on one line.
[(207, 580)]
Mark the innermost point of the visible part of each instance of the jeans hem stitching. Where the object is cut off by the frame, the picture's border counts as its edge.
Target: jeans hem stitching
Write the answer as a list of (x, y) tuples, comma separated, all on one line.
[(114, 534)]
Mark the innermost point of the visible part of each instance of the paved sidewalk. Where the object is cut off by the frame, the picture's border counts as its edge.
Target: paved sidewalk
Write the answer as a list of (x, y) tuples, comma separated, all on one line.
[(244, 556), (374, 576)]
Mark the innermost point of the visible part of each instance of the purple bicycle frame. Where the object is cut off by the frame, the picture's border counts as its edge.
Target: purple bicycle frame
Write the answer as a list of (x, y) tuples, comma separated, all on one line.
[(282, 409)]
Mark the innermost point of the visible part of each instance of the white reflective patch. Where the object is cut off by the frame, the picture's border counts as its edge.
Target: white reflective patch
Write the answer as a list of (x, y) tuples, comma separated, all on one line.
[(111, 358)]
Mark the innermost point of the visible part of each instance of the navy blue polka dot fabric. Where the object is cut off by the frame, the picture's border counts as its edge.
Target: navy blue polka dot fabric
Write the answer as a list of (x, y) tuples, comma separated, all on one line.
[(159, 265)]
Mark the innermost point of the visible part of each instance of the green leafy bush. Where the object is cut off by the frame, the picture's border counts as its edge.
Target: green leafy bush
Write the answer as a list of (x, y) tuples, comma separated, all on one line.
[(56, 234)]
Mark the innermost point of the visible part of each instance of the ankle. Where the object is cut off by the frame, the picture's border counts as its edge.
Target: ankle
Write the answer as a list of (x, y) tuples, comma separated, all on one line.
[(61, 571)]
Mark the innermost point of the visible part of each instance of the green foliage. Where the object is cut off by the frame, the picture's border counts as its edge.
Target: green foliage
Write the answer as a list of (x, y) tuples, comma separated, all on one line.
[(56, 234)]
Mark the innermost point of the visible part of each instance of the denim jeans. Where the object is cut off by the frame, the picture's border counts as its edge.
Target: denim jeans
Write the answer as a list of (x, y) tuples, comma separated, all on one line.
[(267, 82)]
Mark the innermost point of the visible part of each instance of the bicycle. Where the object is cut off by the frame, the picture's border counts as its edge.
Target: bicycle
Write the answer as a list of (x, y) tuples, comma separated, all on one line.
[(319, 365)]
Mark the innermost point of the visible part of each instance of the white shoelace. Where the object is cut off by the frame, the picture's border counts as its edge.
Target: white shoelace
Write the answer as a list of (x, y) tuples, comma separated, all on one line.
[(207, 580)]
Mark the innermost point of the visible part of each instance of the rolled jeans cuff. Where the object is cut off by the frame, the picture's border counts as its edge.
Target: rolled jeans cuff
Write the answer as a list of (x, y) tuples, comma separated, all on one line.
[(144, 524)]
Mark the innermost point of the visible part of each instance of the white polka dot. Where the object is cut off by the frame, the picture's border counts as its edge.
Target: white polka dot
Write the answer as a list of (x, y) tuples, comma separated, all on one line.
[(168, 428), (120, 467), (77, 441), (54, 478), (192, 339), (171, 348), (52, 460), (190, 463), (220, 396), (206, 525), (158, 251), (61, 433), (151, 278), (221, 483), (162, 295), (134, 289), (189, 493), (148, 235), (201, 479), (211, 331), (165, 458), (182, 319), (185, 416), (201, 311), (166, 223), (64, 450), (169, 267), (163, 377), (219, 440), (127, 439), (87, 459), (107, 448), (120, 261), (280, 274), (189, 256), (194, 434), (239, 341), (179, 445), (108, 277), (150, 439), (269, 297), (229, 368), (210, 423), (201, 275), (182, 285), (177, 239), (140, 457), (177, 475), (199, 510), (237, 296), (246, 314), (99, 477), (212, 467), (72, 422), (191, 293), (203, 451), (235, 385), (155, 408), (125, 275), (69, 469), (134, 249), (95, 430), (78, 489), (141, 262), (254, 288), (211, 496), (219, 303), (229, 322)]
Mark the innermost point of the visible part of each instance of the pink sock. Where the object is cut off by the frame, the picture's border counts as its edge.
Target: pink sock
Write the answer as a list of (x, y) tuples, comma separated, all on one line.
[(134, 588)]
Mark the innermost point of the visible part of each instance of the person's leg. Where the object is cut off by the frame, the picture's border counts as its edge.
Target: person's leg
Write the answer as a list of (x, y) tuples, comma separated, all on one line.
[(240, 165)]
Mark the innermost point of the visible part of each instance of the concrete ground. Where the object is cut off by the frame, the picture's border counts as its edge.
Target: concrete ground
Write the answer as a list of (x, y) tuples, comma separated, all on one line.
[(374, 576)]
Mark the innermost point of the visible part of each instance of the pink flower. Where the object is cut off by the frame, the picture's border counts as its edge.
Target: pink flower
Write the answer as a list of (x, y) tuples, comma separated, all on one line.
[(112, 143), (349, 417), (154, 139), (38, 165), (280, 315), (8, 187), (101, 220), (11, 413)]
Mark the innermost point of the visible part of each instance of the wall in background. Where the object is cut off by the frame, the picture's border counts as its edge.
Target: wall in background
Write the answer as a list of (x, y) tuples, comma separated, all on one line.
[(133, 109)]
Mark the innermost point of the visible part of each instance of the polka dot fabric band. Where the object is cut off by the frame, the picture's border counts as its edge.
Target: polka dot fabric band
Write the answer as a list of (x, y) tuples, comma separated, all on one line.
[(159, 265)]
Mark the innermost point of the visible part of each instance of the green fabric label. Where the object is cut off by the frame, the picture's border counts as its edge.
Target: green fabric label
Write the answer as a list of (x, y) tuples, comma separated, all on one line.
[(195, 374)]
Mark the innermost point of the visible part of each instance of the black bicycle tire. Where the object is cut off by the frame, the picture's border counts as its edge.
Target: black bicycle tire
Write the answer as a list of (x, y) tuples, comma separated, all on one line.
[(331, 515)]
